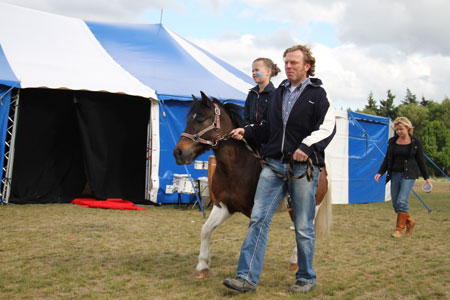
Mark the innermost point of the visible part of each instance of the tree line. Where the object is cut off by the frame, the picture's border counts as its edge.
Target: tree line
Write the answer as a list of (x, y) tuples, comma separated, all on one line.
[(431, 121)]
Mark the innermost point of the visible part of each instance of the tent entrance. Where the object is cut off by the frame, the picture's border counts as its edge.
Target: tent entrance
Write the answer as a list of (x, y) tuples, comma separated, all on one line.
[(69, 140)]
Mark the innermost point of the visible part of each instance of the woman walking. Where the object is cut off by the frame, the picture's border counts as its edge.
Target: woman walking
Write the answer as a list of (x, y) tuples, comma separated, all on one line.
[(404, 158)]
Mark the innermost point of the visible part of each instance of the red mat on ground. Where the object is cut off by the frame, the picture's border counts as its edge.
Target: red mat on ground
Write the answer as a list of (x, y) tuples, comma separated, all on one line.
[(108, 203)]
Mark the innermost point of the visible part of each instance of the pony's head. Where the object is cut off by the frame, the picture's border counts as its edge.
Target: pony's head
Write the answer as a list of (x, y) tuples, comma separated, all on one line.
[(208, 123)]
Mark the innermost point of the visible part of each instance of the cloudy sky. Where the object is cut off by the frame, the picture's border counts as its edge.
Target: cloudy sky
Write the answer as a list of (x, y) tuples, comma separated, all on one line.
[(360, 46)]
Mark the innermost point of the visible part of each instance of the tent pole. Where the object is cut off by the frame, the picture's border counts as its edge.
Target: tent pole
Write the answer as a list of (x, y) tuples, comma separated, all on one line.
[(148, 166), (421, 201), (437, 166), (9, 154)]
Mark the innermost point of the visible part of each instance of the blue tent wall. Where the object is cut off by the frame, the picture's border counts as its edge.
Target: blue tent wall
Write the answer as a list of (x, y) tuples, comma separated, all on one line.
[(368, 136), (5, 101), (171, 126)]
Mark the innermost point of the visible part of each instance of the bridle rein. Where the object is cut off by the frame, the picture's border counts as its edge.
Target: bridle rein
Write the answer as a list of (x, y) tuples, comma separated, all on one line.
[(214, 126)]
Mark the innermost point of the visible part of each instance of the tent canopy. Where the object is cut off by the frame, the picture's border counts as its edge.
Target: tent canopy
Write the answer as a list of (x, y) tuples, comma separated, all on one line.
[(174, 67), (39, 49)]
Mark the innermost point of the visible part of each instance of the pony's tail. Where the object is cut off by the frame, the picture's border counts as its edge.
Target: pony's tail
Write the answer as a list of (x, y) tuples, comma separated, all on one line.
[(324, 216)]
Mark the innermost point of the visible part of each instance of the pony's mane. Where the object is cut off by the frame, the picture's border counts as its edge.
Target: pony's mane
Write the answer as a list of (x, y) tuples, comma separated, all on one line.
[(234, 111)]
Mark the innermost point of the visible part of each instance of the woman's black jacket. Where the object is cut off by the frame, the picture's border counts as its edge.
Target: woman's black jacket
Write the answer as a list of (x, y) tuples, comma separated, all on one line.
[(414, 163)]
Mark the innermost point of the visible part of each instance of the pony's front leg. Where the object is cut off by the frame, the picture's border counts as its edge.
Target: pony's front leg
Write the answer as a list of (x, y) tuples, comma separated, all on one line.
[(217, 216), (293, 260)]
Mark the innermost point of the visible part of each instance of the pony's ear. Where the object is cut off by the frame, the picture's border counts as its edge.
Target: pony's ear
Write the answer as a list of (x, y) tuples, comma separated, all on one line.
[(205, 99), (194, 98)]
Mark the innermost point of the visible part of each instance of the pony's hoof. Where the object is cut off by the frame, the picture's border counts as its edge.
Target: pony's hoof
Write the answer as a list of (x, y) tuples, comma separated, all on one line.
[(201, 274), (293, 267)]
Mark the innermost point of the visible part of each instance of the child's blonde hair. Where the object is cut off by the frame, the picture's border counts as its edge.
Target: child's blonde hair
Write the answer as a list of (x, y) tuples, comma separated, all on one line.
[(269, 64)]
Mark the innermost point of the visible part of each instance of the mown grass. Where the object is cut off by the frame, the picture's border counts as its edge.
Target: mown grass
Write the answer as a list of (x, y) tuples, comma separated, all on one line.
[(64, 251)]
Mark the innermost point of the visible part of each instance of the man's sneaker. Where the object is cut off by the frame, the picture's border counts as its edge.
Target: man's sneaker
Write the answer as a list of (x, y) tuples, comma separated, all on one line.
[(239, 284), (302, 287)]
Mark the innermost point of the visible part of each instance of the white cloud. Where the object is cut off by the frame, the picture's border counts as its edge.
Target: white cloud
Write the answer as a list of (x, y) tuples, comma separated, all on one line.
[(97, 10), (412, 26), (299, 12), (240, 51), (387, 44), (349, 72), (216, 6)]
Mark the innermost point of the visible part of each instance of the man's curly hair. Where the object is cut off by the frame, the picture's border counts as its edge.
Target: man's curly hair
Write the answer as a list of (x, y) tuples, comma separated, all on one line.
[(307, 56)]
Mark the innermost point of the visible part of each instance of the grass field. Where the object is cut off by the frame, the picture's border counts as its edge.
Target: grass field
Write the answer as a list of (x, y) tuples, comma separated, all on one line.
[(64, 251)]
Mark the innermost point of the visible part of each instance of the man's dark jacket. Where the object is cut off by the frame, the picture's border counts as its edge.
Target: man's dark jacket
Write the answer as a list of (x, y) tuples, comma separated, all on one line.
[(311, 125)]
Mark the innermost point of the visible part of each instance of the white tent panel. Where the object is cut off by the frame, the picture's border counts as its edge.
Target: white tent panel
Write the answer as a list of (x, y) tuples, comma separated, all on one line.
[(152, 192), (337, 160)]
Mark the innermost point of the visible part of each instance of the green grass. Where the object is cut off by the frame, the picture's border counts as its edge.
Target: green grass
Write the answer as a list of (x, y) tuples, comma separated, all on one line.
[(64, 251)]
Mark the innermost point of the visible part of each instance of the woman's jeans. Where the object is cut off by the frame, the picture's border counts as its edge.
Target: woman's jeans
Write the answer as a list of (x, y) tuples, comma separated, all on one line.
[(400, 190), (269, 192)]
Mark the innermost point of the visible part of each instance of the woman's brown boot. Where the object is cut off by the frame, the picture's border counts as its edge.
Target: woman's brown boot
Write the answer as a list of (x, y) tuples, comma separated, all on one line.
[(410, 223), (401, 223)]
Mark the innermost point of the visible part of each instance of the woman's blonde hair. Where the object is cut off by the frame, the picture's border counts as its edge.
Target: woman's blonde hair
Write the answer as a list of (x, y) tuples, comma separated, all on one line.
[(405, 122), (270, 65)]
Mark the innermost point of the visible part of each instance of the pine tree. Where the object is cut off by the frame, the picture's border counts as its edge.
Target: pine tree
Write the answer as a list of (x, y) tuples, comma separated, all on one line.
[(410, 98), (387, 107), (371, 107), (425, 102)]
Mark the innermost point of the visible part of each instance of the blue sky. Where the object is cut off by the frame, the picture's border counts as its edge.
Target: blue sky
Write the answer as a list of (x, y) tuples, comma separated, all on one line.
[(360, 46), (206, 23), (236, 17)]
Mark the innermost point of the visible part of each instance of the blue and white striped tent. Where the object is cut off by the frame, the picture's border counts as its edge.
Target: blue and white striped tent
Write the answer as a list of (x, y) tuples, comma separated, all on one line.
[(48, 51), (43, 51)]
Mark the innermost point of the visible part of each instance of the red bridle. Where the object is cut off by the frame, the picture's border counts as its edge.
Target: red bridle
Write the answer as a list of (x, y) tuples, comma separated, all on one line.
[(214, 126)]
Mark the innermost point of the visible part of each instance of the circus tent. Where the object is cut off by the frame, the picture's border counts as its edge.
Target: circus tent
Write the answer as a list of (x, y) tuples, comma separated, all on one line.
[(84, 89)]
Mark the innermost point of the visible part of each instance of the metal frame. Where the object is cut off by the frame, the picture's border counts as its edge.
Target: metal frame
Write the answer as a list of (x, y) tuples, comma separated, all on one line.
[(8, 159), (148, 163)]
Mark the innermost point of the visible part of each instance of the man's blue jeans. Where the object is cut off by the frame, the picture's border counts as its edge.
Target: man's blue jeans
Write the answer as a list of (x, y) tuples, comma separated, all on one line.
[(400, 190), (269, 192)]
